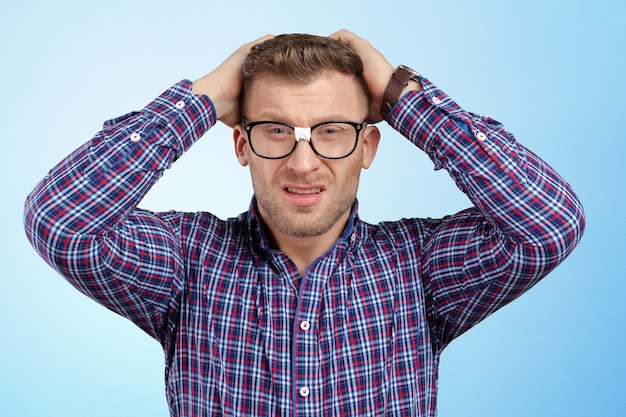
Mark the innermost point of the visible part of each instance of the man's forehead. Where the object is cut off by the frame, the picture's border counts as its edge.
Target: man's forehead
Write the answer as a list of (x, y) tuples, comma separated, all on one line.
[(270, 79), (327, 89)]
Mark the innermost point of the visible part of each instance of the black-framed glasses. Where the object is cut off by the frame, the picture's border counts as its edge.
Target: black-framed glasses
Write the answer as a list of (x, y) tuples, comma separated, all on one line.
[(331, 140)]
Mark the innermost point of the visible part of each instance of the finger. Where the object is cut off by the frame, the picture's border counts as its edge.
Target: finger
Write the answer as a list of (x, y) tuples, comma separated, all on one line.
[(262, 39), (344, 36), (242, 52)]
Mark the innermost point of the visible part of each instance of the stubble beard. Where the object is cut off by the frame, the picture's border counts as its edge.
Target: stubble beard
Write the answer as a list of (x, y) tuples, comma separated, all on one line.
[(310, 221)]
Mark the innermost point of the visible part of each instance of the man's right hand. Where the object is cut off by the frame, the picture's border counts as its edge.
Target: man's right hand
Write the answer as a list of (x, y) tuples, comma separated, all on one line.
[(223, 84)]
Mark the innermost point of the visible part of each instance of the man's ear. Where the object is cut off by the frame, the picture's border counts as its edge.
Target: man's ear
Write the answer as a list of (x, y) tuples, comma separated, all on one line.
[(240, 140), (371, 138)]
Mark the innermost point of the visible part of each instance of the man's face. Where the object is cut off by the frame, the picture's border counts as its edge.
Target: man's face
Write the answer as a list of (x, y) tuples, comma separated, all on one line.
[(304, 195)]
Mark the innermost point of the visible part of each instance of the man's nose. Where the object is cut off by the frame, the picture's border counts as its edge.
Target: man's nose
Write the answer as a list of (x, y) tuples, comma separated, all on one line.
[(303, 159)]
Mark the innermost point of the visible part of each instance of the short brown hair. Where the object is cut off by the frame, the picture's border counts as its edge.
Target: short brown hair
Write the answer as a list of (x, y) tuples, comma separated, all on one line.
[(300, 58)]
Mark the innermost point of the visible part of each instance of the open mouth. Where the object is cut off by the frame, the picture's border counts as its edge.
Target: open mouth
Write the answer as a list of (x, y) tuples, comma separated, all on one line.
[(300, 191), (305, 195)]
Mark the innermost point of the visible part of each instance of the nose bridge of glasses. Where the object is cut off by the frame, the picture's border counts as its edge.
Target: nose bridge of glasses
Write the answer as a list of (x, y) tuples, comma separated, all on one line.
[(302, 133)]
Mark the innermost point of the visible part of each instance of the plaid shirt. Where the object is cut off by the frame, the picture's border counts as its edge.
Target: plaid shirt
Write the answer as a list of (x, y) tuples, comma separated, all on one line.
[(361, 333)]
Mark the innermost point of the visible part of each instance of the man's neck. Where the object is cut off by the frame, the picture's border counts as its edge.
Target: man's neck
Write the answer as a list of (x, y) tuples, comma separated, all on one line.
[(304, 250)]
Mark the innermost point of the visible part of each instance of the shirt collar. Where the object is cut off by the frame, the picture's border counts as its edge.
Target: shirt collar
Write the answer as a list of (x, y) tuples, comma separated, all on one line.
[(259, 238)]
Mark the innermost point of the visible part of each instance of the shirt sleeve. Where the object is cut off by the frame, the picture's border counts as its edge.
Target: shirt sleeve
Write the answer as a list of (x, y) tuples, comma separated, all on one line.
[(82, 217), (525, 221)]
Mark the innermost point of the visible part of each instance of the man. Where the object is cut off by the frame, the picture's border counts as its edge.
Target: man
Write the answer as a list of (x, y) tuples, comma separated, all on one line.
[(298, 307)]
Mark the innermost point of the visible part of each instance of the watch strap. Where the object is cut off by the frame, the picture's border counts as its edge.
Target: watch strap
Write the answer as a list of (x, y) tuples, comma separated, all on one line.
[(399, 79)]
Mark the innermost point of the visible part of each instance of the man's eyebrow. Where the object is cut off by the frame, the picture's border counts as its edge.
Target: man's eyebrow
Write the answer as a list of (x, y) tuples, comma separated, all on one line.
[(273, 117), (265, 116)]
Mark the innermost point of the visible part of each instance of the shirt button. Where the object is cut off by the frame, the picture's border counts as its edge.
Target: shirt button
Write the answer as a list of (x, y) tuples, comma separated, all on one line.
[(481, 136), (304, 391), (180, 104), (436, 100), (135, 137), (305, 325)]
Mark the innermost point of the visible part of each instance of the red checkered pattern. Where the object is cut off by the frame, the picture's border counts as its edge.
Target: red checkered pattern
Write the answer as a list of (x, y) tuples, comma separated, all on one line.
[(362, 332)]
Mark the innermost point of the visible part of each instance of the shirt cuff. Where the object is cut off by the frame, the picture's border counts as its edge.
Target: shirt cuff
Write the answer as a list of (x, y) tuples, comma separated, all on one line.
[(455, 139), (151, 139), (188, 115), (419, 115)]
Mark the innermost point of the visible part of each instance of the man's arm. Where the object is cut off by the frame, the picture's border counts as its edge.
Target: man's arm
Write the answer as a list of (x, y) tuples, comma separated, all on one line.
[(526, 219), (82, 218)]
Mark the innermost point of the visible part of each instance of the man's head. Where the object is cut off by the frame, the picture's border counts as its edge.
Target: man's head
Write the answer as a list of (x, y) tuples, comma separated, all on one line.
[(303, 81)]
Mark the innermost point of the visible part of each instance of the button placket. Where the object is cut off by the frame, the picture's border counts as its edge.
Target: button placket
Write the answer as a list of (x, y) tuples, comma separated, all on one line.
[(305, 353), (306, 348)]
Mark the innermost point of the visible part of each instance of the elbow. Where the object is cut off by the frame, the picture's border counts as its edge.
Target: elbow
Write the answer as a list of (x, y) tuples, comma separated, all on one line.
[(577, 223), (559, 237), (39, 220), (34, 225), (571, 227)]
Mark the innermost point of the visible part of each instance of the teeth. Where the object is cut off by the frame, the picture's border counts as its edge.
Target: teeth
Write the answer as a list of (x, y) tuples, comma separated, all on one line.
[(304, 192)]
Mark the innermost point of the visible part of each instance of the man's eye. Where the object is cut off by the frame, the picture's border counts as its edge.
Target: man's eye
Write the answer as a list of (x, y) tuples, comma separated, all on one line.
[(335, 131), (276, 131)]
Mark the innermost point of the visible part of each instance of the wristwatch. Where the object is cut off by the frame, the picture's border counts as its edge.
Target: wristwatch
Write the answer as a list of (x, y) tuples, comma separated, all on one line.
[(399, 79)]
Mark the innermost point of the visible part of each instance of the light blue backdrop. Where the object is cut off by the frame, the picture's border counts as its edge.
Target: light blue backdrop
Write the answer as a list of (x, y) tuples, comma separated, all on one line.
[(552, 71)]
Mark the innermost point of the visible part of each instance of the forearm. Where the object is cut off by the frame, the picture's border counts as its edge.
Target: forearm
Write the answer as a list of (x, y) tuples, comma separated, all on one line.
[(102, 181), (519, 195)]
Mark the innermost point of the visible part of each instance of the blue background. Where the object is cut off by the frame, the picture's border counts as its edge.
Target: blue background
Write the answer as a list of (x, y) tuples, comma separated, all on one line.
[(552, 71)]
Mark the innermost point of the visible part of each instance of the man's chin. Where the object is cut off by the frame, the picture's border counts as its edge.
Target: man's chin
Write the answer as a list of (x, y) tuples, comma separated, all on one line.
[(303, 230)]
